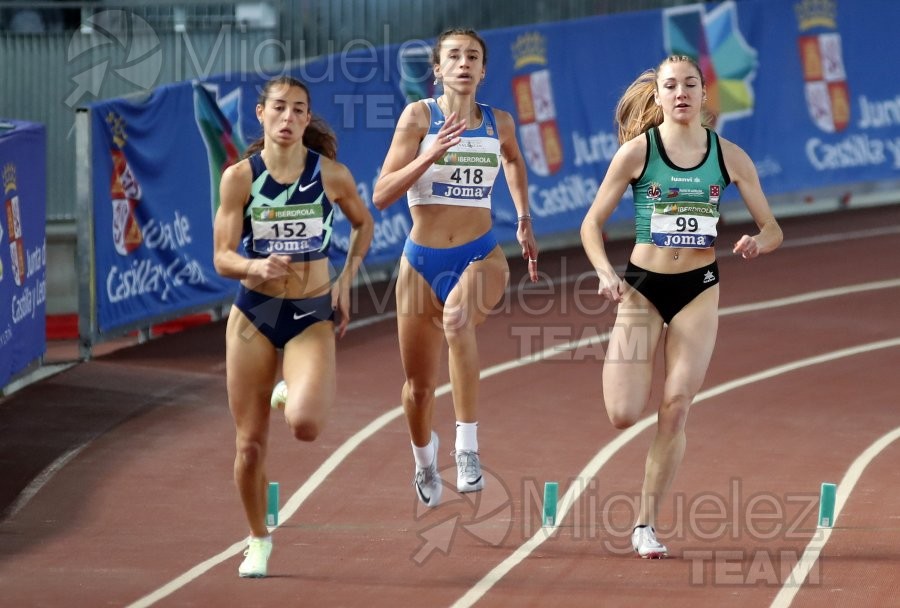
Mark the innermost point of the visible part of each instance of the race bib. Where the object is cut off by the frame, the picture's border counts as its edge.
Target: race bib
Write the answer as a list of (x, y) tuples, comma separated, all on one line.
[(460, 191), (290, 229), (684, 225)]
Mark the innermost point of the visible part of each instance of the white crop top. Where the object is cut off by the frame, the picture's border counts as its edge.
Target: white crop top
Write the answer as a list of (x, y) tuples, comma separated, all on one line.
[(465, 174)]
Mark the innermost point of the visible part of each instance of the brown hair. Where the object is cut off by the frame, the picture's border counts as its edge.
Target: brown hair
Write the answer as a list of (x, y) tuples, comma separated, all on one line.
[(457, 31), (637, 110), (318, 135)]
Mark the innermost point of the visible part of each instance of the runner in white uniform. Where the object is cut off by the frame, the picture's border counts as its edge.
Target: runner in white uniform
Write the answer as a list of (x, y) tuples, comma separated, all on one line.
[(445, 156)]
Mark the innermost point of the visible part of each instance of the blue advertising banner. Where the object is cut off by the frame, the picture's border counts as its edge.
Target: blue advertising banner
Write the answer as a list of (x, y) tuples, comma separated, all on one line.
[(152, 215), (793, 82), (23, 246)]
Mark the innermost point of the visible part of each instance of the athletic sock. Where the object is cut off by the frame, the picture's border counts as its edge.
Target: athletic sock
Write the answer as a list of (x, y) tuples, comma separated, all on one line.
[(467, 436), (425, 455)]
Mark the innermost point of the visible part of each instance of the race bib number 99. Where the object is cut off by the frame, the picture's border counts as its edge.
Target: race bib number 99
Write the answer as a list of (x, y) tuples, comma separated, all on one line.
[(291, 229), (684, 225)]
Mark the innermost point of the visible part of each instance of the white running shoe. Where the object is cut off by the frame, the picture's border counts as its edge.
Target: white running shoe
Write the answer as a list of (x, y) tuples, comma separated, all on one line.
[(428, 481), (279, 396), (468, 471), (643, 539), (255, 564)]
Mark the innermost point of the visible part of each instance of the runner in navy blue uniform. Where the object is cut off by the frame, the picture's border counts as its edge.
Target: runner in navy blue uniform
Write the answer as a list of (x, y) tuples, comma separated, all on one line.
[(278, 203)]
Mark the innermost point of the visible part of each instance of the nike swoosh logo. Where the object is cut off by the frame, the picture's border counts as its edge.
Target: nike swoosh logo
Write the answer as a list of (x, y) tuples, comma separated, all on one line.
[(473, 483), (424, 498), (298, 317), (438, 123), (307, 186)]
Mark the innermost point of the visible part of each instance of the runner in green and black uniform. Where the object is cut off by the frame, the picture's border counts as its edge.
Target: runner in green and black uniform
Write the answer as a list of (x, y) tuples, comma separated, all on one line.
[(678, 169)]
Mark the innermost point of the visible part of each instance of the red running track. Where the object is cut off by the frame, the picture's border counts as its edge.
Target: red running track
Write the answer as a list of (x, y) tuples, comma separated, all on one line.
[(116, 474)]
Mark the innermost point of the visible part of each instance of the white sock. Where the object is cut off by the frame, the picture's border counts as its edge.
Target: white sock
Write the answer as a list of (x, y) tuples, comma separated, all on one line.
[(425, 455), (467, 436)]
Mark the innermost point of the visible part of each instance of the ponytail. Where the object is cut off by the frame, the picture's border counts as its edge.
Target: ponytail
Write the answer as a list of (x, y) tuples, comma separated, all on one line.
[(637, 110), (253, 148), (319, 137)]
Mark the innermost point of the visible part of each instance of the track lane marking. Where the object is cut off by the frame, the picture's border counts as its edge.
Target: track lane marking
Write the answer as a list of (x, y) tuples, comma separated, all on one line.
[(804, 565), (339, 455), (477, 591)]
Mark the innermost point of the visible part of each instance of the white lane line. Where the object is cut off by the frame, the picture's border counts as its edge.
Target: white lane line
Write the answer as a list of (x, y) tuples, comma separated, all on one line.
[(725, 251), (328, 467), (332, 462), (806, 297), (721, 252), (608, 451), (804, 565), (822, 239), (43, 477)]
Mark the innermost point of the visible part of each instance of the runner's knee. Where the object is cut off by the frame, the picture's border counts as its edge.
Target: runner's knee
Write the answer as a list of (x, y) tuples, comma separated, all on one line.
[(419, 392), (304, 427), (674, 412), (622, 414), (249, 453), (622, 419)]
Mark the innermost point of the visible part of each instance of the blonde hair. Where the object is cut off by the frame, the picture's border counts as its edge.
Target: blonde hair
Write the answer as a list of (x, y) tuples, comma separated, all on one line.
[(637, 110)]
